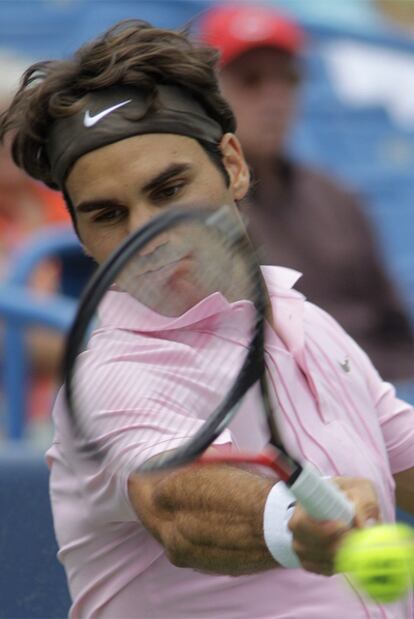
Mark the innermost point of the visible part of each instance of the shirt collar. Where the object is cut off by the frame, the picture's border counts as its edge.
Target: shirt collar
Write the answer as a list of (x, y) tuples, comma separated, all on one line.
[(280, 280), (288, 307), (120, 310)]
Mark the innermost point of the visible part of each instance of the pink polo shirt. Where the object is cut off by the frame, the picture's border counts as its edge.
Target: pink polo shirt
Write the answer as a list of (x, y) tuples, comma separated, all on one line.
[(336, 413)]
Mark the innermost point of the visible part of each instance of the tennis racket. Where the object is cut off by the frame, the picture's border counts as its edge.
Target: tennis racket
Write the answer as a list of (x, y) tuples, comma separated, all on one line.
[(192, 272)]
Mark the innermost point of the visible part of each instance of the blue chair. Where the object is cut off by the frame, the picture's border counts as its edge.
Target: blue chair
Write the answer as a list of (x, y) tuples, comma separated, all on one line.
[(20, 308), (58, 241), (56, 29), (33, 583)]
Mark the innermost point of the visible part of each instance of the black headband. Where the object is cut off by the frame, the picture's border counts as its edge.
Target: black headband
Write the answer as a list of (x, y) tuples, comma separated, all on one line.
[(117, 113)]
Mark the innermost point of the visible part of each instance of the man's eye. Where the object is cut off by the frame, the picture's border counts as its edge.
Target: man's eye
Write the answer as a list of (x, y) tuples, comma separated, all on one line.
[(168, 192), (110, 215)]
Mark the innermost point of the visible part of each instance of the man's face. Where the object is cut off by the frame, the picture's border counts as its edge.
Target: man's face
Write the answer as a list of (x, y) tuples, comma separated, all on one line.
[(118, 188), (261, 86)]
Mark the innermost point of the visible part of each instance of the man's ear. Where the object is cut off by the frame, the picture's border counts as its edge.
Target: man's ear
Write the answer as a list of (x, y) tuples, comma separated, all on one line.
[(235, 164)]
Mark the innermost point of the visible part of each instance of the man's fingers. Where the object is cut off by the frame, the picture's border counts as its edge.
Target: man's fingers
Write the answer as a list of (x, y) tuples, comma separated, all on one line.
[(312, 533), (363, 495), (316, 543)]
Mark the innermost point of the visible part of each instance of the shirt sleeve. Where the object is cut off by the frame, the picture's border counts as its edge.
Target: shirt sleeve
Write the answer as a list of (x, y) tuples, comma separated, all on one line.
[(396, 419), (132, 410)]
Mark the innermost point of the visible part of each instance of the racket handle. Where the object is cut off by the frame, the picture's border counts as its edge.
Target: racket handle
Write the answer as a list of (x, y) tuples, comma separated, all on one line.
[(321, 498)]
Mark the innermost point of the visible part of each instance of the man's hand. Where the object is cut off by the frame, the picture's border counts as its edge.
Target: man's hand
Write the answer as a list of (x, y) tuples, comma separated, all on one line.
[(316, 543)]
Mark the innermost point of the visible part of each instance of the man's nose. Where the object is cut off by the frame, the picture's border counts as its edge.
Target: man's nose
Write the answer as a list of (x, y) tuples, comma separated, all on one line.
[(140, 214)]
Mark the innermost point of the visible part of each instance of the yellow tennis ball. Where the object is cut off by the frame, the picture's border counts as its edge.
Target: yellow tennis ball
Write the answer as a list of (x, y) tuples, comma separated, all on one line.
[(379, 560)]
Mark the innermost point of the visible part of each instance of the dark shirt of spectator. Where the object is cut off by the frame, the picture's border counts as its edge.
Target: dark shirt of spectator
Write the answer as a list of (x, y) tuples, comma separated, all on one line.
[(297, 216)]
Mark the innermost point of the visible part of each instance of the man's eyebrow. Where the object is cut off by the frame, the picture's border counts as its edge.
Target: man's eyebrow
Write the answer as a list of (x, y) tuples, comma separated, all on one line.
[(95, 205), (172, 170)]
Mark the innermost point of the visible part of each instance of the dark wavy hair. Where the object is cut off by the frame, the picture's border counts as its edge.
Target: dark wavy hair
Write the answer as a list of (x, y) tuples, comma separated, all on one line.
[(132, 52)]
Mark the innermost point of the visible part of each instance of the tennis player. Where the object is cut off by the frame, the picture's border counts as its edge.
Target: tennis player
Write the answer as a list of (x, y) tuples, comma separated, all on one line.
[(131, 124)]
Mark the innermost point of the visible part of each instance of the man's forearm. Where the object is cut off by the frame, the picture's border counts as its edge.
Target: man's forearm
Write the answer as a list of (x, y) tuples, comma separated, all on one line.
[(211, 519), (208, 519)]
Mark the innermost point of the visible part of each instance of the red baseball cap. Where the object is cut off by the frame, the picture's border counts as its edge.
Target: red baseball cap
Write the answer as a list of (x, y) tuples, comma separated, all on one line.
[(235, 29)]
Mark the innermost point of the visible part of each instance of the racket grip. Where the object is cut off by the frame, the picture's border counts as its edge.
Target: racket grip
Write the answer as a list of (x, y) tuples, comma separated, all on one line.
[(321, 498)]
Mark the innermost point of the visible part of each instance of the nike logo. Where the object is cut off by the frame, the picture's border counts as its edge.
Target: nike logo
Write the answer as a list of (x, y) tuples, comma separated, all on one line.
[(90, 121)]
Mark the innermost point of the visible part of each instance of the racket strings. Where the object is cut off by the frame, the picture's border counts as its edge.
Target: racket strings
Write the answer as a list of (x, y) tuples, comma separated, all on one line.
[(184, 267), (171, 380)]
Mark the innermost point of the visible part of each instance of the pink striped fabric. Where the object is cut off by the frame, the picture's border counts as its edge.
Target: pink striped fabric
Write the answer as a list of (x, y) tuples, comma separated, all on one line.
[(336, 413)]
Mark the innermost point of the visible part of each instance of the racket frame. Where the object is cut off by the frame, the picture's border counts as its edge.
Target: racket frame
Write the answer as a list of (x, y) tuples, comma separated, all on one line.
[(253, 366), (320, 498)]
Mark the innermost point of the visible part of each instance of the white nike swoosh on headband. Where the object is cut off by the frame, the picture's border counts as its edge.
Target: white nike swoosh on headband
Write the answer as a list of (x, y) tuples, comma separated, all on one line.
[(90, 121)]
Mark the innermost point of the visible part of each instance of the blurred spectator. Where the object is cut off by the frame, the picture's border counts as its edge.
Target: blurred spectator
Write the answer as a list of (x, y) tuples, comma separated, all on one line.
[(297, 216), (25, 208), (400, 13)]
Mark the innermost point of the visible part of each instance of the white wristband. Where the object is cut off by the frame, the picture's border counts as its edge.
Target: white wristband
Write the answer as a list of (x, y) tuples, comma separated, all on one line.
[(278, 509)]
